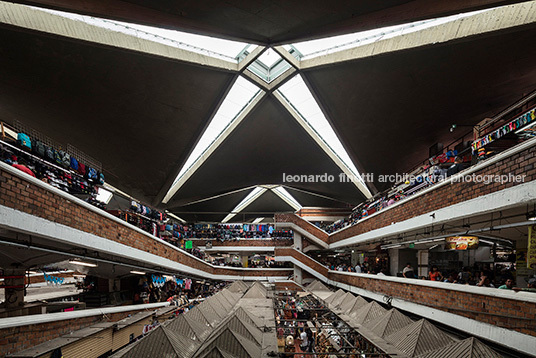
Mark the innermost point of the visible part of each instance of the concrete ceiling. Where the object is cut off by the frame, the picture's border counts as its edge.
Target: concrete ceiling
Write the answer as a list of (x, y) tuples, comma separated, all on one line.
[(141, 115), (268, 22), (397, 105)]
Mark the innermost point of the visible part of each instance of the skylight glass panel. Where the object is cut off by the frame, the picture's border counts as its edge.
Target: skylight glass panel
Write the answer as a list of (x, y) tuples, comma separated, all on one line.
[(315, 48), (299, 96), (252, 196), (288, 197), (104, 195), (269, 57), (237, 99), (224, 49)]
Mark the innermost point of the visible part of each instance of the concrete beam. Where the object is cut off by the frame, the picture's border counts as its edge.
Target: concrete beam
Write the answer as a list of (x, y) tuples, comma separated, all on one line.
[(503, 18), (38, 20)]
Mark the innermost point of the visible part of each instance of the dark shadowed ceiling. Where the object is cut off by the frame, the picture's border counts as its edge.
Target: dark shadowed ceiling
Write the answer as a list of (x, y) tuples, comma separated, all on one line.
[(141, 115)]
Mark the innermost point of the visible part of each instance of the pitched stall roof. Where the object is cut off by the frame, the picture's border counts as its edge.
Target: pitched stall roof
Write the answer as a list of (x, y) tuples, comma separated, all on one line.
[(393, 321), (468, 348), (419, 338), (317, 285), (334, 297), (368, 314)]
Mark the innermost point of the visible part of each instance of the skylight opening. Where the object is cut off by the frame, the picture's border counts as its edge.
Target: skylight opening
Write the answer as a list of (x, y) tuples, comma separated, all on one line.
[(240, 95), (320, 47), (214, 47), (252, 196), (287, 197), (269, 57), (103, 195), (298, 96)]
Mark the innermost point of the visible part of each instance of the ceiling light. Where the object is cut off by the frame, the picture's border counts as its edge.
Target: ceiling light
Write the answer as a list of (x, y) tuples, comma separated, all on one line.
[(137, 272), (82, 263), (531, 216)]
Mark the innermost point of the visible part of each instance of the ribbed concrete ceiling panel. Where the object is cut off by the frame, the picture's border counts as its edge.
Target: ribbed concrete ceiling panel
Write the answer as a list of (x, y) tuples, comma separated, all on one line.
[(399, 104), (138, 115), (266, 145)]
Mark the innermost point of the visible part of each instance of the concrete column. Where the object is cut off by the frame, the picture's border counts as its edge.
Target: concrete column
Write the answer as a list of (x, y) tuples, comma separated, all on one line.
[(423, 263), (298, 276), (298, 242), (14, 297)]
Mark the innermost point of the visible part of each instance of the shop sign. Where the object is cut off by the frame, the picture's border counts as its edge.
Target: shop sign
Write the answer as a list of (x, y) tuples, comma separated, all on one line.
[(461, 243), (521, 263), (531, 251), (188, 244)]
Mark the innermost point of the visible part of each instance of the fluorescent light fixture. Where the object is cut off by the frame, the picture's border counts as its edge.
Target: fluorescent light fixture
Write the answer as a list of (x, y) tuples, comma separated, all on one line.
[(487, 242), (175, 217), (389, 247), (428, 241), (137, 272), (82, 263), (257, 220), (287, 197), (433, 247), (531, 216), (252, 196), (104, 196)]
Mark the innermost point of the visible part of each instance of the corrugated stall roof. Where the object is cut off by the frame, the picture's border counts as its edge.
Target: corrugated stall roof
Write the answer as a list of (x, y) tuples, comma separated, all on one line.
[(359, 303), (218, 306), (347, 303), (255, 292), (393, 321), (468, 348), (368, 315), (182, 326), (419, 338), (212, 317), (248, 317), (317, 285), (232, 343), (334, 296), (157, 343), (201, 330)]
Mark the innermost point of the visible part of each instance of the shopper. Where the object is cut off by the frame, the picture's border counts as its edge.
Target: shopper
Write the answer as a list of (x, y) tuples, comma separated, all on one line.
[(435, 275), (304, 343), (408, 271), (508, 285)]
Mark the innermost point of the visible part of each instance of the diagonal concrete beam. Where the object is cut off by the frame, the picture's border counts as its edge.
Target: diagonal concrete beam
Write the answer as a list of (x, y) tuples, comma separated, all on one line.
[(502, 18), (38, 20), (250, 58), (287, 56), (213, 146), (361, 186)]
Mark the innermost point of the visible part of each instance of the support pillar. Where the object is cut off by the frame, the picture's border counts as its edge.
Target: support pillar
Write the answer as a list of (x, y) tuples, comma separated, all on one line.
[(14, 294), (298, 242), (298, 275)]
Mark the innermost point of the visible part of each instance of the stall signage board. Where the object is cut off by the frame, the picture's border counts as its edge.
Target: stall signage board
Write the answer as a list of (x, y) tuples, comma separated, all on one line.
[(461, 242), (531, 251), (188, 244)]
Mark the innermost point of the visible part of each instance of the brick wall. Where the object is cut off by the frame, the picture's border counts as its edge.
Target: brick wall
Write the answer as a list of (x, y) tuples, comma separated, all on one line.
[(21, 194), (260, 243), (16, 339), (302, 258), (304, 224), (523, 163), (503, 312)]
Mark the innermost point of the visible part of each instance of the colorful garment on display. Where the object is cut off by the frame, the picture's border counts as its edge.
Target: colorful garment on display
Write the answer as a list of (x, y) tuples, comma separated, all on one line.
[(517, 123)]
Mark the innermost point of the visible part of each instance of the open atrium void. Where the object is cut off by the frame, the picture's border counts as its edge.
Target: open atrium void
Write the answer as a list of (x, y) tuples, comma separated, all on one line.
[(267, 178)]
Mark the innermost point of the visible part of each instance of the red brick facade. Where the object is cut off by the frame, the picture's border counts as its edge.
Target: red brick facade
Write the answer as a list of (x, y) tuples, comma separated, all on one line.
[(18, 193), (16, 339), (249, 243), (523, 163), (498, 311)]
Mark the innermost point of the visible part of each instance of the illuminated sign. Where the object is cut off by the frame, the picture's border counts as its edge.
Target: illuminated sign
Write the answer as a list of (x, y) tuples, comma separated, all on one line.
[(461, 243)]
